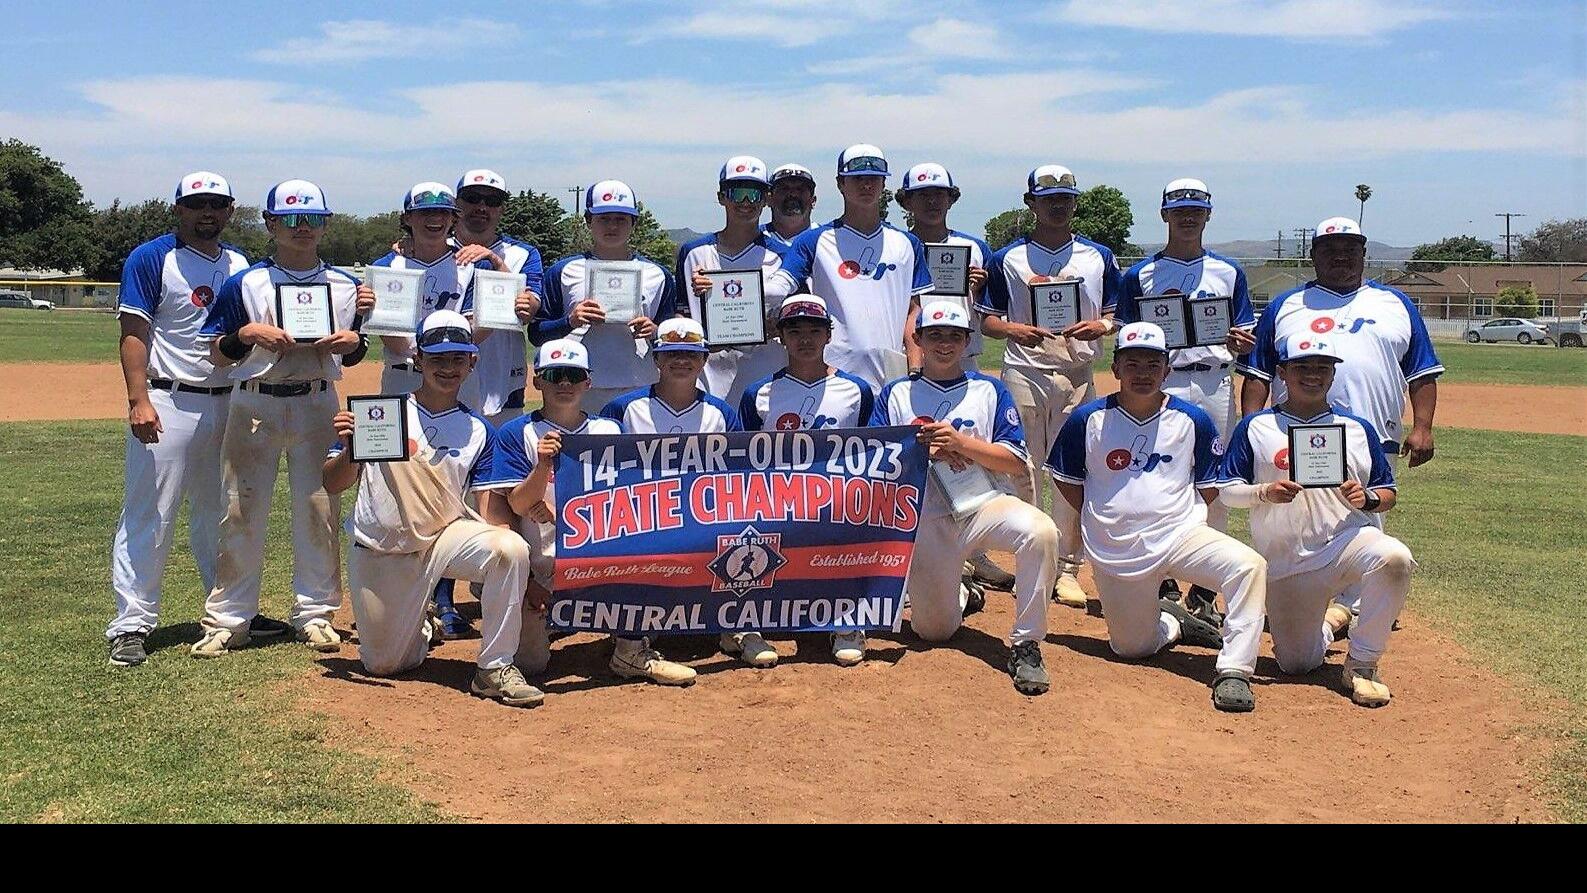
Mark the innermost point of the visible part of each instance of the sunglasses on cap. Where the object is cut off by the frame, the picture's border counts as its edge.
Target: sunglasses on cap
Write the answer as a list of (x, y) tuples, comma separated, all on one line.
[(293, 221), (680, 336), (445, 335), (805, 310), (429, 197), (205, 203), (865, 163), (563, 375), (487, 197), (744, 195), (1179, 195)]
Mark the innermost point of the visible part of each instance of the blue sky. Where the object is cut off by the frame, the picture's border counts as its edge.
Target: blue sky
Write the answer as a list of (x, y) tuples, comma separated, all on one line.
[(1451, 111)]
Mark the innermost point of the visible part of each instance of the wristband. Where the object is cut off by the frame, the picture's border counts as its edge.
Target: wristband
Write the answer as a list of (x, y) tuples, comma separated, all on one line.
[(1372, 502), (232, 348)]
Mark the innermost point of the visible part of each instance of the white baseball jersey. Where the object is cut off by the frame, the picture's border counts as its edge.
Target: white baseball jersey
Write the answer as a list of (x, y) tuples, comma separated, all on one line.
[(1208, 276), (775, 239), (868, 280), (978, 406), (502, 370), (641, 412), (613, 362), (1314, 530), (980, 256), (250, 296), (447, 286), (1140, 478), (458, 444), (705, 253), (518, 444), (1008, 294), (172, 285), (782, 402), (1376, 330)]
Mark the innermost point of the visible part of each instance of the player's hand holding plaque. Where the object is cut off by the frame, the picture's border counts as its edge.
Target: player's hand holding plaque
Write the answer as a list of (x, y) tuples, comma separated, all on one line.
[(397, 294), (967, 487), (734, 308), (496, 299), (380, 428), (950, 269), (1317, 455), (1210, 320), (1167, 312), (304, 311), (1055, 306), (618, 286)]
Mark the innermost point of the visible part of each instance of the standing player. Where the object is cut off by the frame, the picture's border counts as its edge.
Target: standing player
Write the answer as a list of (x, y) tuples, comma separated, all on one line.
[(1199, 376), (1140, 468), (429, 215), (739, 245), (410, 526), (176, 401), (1319, 541), (807, 395), (481, 197), (871, 273), (967, 417), (673, 405), (1049, 373), (617, 361), (285, 401), (793, 195)]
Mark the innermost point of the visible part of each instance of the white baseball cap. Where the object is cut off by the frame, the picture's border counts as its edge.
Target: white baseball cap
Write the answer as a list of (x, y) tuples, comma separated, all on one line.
[(743, 167), (1339, 226), (862, 160), (804, 307), (429, 195), (680, 333), (1187, 193), (609, 196), (446, 331), (950, 314), (203, 183), (1141, 335), (566, 353), (482, 177), (296, 197), (1307, 344), (1052, 179), (927, 175), (796, 171)]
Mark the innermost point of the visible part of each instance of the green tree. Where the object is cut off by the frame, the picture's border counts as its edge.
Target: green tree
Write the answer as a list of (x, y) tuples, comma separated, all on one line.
[(1557, 241), (247, 233), (352, 240), (1431, 257), (538, 219), (887, 202), (1103, 215), (1008, 226), (1516, 300), (44, 221), (1363, 192), (118, 229)]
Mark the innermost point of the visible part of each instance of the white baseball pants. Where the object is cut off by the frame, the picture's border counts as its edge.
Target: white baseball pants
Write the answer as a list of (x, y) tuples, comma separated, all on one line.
[(943, 543), (1378, 564), (1044, 401), (1213, 392), (394, 380)]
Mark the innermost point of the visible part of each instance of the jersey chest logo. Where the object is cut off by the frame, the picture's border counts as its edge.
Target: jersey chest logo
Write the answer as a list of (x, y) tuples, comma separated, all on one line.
[(1281, 459), (958, 424), (1137, 458), (746, 561), (1322, 325), (203, 296), (865, 266), (791, 421)]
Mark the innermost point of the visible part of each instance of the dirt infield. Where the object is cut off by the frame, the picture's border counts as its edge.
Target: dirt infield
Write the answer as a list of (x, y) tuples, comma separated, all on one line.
[(52, 391), (940, 735)]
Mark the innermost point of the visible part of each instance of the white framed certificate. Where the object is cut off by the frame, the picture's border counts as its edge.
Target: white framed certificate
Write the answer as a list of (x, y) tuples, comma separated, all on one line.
[(1055, 306), (618, 286), (967, 488), (1210, 320), (1317, 455), (1168, 313), (397, 301), (950, 269), (734, 308), (496, 299), (304, 310), (380, 428), (894, 364)]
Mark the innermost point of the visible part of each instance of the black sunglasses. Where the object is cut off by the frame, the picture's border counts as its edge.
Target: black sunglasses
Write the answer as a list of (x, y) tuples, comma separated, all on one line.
[(561, 374), (206, 203), (1182, 194), (865, 164), (448, 335), (487, 198)]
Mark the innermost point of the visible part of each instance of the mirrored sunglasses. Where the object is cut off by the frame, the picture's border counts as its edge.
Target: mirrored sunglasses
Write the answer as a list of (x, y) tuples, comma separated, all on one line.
[(430, 197), (563, 374), (680, 336), (487, 197), (293, 221), (1179, 195), (206, 202), (745, 195), (865, 163), (446, 335)]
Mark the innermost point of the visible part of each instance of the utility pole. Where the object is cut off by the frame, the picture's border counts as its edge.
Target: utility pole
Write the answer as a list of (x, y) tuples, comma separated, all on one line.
[(1303, 241), (576, 191), (1507, 237), (1278, 248)]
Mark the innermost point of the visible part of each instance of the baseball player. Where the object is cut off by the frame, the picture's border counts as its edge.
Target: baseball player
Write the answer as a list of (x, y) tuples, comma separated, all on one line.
[(616, 350), (967, 417), (1198, 375), (870, 273), (1319, 541), (739, 245), (1049, 373), (429, 214), (525, 454), (807, 394), (285, 401), (1140, 468), (673, 405), (410, 526), (177, 403), (793, 195)]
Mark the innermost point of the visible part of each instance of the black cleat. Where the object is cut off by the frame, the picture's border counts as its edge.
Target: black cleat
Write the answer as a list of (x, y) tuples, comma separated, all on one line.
[(126, 650), (1192, 629), (1203, 603), (262, 627), (1025, 666)]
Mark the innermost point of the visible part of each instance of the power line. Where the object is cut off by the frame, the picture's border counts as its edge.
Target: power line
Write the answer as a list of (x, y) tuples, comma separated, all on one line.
[(1303, 236), (1508, 239)]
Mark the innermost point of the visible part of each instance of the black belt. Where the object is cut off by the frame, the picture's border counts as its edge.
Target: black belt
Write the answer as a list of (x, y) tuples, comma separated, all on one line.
[(165, 384), (402, 367), (1201, 367), (293, 389)]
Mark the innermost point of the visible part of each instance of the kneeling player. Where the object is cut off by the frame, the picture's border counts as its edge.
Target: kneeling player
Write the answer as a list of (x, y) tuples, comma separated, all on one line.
[(1140, 468), (967, 417), (410, 527), (806, 394), (1319, 541), (673, 405)]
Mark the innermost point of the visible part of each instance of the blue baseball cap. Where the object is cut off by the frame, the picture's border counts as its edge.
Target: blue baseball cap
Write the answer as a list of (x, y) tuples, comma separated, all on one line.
[(681, 333), (743, 168), (482, 177), (611, 196), (927, 175), (1052, 179), (1306, 344), (446, 331), (429, 196), (295, 197), (1186, 193), (862, 160), (203, 183)]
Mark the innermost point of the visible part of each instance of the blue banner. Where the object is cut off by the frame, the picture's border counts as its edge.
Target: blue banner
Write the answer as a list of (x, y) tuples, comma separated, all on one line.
[(703, 533)]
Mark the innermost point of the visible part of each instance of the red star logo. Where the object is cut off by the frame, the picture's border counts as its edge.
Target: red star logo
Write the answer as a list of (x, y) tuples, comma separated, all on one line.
[(788, 421), (1322, 324), (1281, 459), (1118, 460)]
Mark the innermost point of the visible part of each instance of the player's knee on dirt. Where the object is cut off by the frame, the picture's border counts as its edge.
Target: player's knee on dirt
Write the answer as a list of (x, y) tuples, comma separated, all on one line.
[(936, 626), (1396, 564), (1298, 661), (389, 666)]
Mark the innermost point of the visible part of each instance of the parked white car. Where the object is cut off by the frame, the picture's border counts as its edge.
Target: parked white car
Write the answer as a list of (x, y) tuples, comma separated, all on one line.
[(21, 301), (1509, 329)]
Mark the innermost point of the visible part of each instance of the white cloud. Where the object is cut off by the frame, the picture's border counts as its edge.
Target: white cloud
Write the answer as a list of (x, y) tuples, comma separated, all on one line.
[(1294, 19), (359, 40), (786, 23), (956, 37)]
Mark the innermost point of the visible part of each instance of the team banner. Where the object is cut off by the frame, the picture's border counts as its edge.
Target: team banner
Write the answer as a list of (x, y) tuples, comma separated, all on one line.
[(704, 533)]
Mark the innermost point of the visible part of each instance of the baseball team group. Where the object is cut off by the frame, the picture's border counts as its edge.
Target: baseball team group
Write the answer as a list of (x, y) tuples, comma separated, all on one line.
[(1138, 483)]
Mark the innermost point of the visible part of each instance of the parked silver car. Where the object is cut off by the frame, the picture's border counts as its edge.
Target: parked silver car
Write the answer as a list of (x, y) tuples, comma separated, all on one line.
[(1509, 329)]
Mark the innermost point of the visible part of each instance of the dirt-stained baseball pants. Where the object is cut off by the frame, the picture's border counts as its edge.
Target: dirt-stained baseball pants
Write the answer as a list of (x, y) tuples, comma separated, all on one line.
[(943, 543), (1044, 401), (1378, 564)]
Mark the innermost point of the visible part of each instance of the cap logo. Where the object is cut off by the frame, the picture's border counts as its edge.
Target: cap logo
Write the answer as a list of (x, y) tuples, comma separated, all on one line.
[(1304, 345), (739, 169), (479, 178), (195, 184), (556, 354), (937, 315), (1131, 336)]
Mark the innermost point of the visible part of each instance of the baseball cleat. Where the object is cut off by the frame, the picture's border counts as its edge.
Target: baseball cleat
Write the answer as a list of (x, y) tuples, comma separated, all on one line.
[(848, 648), (1231, 692), (127, 650), (749, 647), (507, 685), (262, 627), (1366, 687), (217, 642), (1338, 618), (1067, 591), (320, 636), (987, 573), (432, 631), (1192, 629), (1025, 666), (1203, 603), (453, 625), (972, 596), (1169, 589), (635, 659)]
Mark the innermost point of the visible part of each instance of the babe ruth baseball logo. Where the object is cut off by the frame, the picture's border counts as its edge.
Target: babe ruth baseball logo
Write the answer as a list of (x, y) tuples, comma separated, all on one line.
[(746, 561), (1137, 458), (202, 296), (394, 286), (732, 288), (1159, 310), (1318, 441), (1281, 459), (304, 297), (945, 257), (614, 282), (376, 413)]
